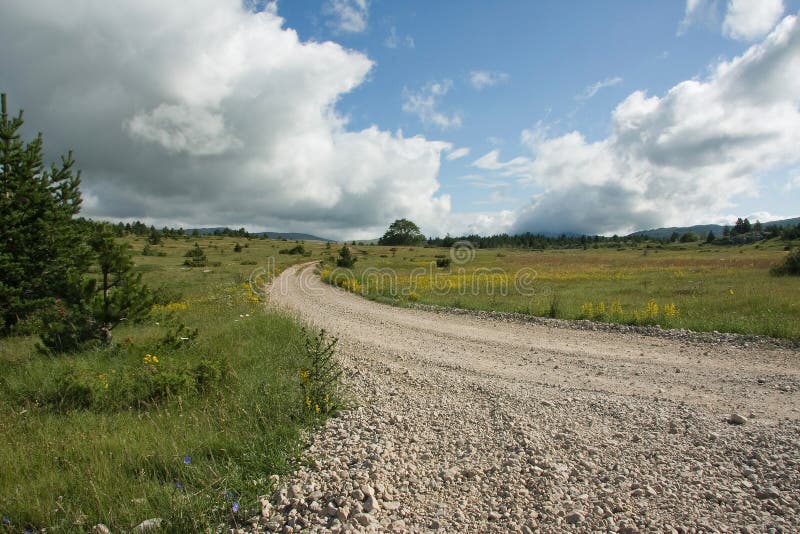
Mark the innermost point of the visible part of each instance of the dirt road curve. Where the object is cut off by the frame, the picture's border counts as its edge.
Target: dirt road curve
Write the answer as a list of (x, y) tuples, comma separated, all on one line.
[(469, 424)]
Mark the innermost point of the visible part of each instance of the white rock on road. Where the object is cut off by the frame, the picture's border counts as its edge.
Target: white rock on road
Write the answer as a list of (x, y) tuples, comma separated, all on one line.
[(474, 424)]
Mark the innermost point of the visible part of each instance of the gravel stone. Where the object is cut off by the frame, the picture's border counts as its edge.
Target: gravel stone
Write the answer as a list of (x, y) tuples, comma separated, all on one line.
[(737, 419)]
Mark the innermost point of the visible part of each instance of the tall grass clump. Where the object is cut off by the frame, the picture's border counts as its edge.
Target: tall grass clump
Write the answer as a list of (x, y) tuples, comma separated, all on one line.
[(319, 381), (186, 427)]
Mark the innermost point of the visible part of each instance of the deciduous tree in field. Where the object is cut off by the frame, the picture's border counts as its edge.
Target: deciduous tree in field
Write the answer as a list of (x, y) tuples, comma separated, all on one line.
[(402, 232)]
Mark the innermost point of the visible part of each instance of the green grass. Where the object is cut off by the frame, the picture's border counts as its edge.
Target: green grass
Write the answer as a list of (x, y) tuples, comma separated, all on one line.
[(101, 436), (698, 287)]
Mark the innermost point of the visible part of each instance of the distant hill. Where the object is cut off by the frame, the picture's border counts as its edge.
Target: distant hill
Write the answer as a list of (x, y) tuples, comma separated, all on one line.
[(703, 229), (291, 236)]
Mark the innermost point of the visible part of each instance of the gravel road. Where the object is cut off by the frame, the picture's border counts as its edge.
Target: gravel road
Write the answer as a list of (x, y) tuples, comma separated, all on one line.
[(477, 424)]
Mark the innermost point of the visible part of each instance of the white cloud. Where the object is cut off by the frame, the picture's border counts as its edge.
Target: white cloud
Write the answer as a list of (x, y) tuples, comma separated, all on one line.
[(393, 40), (481, 79), (181, 128), (761, 216), (688, 155), (593, 89), (423, 104), (480, 223), (792, 184), (751, 19), (490, 161), (458, 153), (349, 16), (704, 12), (745, 20), (229, 120)]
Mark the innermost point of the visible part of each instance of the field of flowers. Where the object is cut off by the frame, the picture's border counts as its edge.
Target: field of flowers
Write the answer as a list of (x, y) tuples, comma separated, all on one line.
[(184, 419), (695, 286)]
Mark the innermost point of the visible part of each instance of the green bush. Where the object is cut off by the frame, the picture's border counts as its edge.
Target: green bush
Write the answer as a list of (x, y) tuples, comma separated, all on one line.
[(296, 250), (195, 257), (790, 265)]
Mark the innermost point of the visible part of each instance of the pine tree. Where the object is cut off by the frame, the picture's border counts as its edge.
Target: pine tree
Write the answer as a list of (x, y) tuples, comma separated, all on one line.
[(93, 305), (346, 259), (41, 248), (195, 257)]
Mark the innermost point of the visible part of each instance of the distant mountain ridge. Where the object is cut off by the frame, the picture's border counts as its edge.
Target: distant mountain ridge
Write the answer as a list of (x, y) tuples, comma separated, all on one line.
[(292, 236), (703, 229)]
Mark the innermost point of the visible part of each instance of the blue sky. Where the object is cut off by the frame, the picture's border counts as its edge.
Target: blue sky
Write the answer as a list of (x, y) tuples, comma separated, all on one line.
[(338, 116), (563, 64)]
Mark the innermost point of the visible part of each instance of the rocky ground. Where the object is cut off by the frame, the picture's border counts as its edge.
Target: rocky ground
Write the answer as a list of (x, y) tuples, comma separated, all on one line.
[(481, 424)]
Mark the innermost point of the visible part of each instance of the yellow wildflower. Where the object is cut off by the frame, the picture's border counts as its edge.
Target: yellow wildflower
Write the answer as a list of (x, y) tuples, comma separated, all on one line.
[(616, 311), (600, 310), (671, 311), (652, 308)]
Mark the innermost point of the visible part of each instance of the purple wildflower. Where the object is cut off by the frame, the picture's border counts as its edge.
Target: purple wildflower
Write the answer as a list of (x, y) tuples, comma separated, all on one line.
[(187, 460), (235, 506)]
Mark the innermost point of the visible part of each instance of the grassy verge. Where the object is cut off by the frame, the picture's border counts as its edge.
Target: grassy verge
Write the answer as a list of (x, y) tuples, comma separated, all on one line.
[(698, 287), (164, 424)]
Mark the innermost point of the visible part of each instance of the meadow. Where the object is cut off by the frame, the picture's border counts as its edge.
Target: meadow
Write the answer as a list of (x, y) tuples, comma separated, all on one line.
[(188, 414), (695, 286), (185, 418)]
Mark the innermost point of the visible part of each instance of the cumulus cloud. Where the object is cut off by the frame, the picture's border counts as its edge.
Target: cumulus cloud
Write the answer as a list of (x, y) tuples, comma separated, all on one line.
[(688, 155), (227, 120), (594, 88), (458, 153), (750, 19), (481, 79), (745, 20), (348, 16), (181, 128), (423, 104), (699, 11)]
